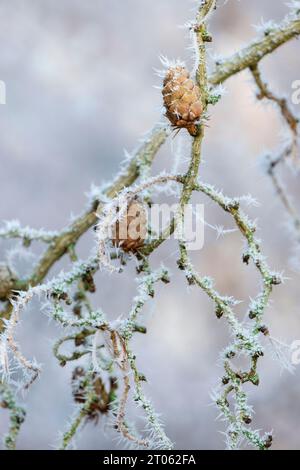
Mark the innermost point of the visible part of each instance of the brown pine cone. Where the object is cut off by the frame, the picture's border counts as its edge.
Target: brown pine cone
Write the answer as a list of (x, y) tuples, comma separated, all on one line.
[(7, 279), (130, 231), (182, 99)]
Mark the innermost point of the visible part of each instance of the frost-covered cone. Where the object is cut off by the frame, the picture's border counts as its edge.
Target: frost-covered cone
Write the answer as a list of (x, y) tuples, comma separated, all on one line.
[(130, 230), (7, 279), (182, 99)]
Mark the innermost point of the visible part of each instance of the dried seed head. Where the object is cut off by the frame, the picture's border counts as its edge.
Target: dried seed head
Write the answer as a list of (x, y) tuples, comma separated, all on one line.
[(7, 279), (182, 99), (103, 395), (130, 231)]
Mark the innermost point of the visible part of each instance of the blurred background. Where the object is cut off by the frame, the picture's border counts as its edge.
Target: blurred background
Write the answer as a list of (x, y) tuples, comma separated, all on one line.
[(80, 89)]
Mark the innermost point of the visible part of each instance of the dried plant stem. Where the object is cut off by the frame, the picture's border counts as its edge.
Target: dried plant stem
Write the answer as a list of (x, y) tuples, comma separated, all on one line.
[(120, 421)]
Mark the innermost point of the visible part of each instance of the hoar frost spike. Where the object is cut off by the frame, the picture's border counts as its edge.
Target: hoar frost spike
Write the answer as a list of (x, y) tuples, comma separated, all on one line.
[(182, 99)]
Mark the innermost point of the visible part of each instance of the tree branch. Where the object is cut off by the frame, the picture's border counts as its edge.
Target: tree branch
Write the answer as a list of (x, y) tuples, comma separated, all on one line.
[(255, 52)]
